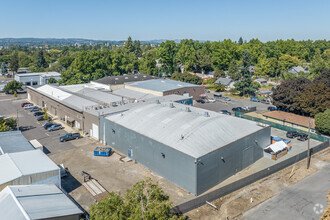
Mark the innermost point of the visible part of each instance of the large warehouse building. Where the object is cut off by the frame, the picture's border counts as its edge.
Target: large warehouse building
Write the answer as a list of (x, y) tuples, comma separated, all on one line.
[(81, 105), (188, 146)]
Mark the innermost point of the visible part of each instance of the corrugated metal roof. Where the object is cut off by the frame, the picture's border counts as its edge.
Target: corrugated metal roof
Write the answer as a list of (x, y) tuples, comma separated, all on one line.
[(39, 74), (66, 98), (161, 85), (189, 132), (132, 94), (13, 141), (37, 202), (15, 165), (115, 80)]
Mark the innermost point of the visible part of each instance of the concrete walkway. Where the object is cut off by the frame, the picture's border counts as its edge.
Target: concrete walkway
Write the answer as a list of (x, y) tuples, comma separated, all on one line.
[(304, 200)]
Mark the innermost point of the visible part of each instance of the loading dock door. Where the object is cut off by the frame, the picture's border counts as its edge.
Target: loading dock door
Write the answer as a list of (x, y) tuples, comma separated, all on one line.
[(248, 157), (95, 131)]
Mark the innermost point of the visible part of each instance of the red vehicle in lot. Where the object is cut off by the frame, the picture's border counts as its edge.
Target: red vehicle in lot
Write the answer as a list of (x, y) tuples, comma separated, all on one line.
[(25, 103)]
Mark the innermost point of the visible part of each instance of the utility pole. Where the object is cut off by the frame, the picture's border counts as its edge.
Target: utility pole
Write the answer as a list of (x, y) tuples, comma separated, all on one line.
[(308, 149), (17, 121)]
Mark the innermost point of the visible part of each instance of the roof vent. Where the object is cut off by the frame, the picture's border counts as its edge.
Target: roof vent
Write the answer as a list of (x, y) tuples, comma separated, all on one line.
[(171, 105), (157, 101), (188, 109), (207, 114)]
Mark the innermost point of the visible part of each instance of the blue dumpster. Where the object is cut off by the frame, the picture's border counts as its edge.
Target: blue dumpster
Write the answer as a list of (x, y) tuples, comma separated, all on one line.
[(102, 151)]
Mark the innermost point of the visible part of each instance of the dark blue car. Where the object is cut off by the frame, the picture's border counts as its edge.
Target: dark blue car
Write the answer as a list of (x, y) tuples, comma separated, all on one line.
[(38, 113), (40, 118)]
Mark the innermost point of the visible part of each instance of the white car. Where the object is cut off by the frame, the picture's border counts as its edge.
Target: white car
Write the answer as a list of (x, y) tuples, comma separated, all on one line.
[(211, 100), (27, 106)]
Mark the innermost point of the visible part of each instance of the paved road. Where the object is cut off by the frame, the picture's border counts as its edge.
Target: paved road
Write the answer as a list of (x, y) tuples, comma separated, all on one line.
[(304, 200)]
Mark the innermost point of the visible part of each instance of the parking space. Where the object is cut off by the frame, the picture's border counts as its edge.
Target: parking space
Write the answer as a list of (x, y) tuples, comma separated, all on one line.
[(228, 105)]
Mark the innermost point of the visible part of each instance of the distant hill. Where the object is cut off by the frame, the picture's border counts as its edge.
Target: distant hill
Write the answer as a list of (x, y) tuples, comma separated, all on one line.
[(63, 41)]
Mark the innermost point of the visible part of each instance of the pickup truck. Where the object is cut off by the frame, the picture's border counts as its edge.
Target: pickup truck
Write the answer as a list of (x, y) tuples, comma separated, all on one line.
[(70, 136)]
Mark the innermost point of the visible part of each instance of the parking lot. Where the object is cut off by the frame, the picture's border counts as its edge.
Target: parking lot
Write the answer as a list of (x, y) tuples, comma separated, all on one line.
[(228, 105)]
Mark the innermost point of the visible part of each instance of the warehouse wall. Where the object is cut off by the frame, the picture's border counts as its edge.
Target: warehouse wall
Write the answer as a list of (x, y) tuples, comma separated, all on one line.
[(224, 162), (194, 91), (51, 177), (175, 166)]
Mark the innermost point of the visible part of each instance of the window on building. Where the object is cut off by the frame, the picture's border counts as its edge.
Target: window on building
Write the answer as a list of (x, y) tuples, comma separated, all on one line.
[(113, 131), (28, 83), (34, 83), (163, 155)]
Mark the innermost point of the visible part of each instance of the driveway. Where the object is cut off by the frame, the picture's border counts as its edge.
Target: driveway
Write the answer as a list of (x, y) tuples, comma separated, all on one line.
[(304, 200)]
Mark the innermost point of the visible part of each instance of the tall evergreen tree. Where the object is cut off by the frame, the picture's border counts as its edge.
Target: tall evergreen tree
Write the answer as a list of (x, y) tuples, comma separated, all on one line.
[(137, 48), (128, 45), (14, 62), (244, 85), (233, 70), (41, 62), (240, 41), (3, 68)]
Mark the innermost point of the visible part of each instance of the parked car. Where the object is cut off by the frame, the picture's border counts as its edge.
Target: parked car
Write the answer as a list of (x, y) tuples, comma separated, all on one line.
[(211, 100), (206, 101), (70, 136), (302, 137), (47, 124), (28, 106), (200, 101), (35, 109), (237, 109), (226, 98), (40, 118), (38, 113), (254, 99), (225, 112), (272, 108), (24, 103), (55, 127), (291, 134), (265, 101)]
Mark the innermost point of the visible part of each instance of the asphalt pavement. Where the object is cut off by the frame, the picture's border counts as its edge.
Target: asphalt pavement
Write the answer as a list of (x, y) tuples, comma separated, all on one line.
[(304, 200)]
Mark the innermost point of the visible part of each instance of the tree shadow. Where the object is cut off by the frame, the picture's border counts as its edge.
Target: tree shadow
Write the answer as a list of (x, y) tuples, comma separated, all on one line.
[(26, 128)]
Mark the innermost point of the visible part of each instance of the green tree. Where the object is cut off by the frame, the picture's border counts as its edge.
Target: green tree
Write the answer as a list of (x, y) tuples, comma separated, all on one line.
[(14, 65), (233, 70), (318, 64), (203, 61), (240, 41), (11, 123), (244, 85), (166, 54), (137, 48), (45, 117), (286, 61), (13, 86), (147, 64), (128, 45), (3, 68), (3, 126), (52, 80), (41, 62), (146, 200), (187, 77), (264, 66), (322, 122)]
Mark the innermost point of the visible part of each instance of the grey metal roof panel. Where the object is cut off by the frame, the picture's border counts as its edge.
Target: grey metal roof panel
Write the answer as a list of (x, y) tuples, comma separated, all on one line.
[(161, 85), (132, 94), (201, 134), (115, 80), (8, 169), (34, 161), (39, 201), (13, 141), (39, 74), (8, 206)]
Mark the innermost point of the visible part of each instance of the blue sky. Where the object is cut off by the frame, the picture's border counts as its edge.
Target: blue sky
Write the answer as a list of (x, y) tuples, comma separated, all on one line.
[(166, 19)]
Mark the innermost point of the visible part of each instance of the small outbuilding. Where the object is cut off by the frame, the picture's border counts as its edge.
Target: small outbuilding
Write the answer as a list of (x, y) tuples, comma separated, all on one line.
[(28, 167)]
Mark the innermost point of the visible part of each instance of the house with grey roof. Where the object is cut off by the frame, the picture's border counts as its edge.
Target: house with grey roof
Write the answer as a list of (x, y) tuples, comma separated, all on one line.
[(261, 81), (296, 69), (223, 81), (37, 202)]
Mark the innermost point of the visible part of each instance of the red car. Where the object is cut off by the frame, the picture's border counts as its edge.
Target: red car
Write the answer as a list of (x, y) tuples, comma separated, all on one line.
[(25, 103)]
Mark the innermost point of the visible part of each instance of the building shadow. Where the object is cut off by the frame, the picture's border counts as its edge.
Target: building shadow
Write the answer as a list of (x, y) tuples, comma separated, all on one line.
[(70, 183)]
